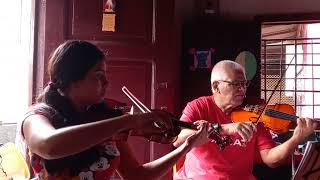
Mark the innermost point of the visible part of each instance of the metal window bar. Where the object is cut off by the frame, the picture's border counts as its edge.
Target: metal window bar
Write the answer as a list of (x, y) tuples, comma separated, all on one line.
[(273, 64), (312, 79), (296, 74)]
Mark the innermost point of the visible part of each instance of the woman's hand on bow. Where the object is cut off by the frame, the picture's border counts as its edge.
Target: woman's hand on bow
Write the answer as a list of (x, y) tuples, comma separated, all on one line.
[(200, 136), (156, 122)]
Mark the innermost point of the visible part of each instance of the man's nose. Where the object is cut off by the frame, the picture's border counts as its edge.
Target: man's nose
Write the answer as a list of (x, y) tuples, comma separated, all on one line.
[(242, 88)]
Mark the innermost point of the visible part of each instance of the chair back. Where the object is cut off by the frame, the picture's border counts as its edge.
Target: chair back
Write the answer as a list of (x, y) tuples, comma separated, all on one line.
[(12, 164)]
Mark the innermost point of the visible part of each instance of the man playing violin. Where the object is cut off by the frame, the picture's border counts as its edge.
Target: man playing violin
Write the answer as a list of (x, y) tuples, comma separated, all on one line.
[(235, 161)]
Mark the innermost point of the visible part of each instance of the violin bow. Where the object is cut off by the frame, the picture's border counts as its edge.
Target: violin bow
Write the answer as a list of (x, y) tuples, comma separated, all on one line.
[(144, 109), (135, 100), (272, 93), (219, 140)]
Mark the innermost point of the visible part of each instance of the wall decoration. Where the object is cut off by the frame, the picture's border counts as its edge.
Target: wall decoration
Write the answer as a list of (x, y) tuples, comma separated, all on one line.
[(248, 61), (202, 59), (109, 15)]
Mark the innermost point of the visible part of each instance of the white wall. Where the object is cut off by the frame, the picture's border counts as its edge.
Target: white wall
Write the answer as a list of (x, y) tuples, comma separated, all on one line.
[(7, 134)]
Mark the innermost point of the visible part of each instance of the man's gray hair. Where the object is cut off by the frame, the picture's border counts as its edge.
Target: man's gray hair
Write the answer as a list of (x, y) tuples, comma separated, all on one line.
[(219, 70)]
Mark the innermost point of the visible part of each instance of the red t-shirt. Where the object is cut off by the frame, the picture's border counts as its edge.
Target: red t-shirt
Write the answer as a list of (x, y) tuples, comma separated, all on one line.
[(206, 162)]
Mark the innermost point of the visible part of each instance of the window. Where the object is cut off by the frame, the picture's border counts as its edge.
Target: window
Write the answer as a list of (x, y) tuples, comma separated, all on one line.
[(16, 34), (292, 51)]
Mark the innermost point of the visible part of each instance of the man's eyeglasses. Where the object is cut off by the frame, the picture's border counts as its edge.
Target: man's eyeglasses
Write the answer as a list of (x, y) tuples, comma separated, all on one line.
[(237, 84), (2, 167)]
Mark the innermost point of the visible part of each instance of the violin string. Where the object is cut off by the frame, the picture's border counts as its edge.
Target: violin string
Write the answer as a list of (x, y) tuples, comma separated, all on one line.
[(281, 115), (269, 99)]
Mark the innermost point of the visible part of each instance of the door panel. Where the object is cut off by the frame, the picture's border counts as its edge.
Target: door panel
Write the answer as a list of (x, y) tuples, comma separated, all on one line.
[(133, 20), (137, 76)]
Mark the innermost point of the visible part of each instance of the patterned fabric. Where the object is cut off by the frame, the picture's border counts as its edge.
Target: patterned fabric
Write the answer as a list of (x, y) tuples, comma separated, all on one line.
[(102, 169), (96, 163)]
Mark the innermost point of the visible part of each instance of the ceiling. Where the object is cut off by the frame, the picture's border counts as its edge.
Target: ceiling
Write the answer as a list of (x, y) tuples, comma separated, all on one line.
[(277, 36), (286, 31)]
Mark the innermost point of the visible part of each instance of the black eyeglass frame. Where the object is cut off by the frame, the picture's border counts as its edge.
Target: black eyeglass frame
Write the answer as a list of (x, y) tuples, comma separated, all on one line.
[(237, 84)]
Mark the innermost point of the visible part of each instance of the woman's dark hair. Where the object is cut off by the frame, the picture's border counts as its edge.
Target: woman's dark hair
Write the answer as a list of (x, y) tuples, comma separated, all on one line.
[(69, 63)]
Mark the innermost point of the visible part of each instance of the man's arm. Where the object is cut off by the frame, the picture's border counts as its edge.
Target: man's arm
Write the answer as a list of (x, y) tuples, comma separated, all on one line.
[(275, 156), (130, 168), (244, 129)]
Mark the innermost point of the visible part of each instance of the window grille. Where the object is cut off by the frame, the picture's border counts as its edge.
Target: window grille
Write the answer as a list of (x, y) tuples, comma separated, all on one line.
[(298, 61)]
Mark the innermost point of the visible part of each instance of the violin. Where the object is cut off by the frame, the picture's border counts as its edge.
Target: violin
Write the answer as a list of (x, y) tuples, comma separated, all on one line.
[(110, 108), (168, 136), (171, 135), (279, 117)]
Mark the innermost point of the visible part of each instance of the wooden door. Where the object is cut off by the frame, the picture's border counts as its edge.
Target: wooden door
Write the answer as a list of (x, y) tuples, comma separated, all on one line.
[(142, 53)]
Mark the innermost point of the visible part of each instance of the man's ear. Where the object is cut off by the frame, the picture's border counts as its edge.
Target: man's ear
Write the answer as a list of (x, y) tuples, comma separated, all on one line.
[(215, 87)]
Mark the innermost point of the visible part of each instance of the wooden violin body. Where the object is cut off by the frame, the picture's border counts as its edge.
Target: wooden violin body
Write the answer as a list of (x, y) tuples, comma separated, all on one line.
[(277, 117)]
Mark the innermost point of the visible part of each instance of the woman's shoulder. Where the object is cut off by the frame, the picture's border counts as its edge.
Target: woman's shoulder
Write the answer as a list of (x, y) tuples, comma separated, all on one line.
[(41, 109)]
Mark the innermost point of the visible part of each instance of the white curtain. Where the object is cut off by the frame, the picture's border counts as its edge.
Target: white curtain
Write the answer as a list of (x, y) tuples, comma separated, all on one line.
[(16, 57)]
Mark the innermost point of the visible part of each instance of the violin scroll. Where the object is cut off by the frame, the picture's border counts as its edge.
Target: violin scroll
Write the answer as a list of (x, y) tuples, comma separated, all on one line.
[(221, 141)]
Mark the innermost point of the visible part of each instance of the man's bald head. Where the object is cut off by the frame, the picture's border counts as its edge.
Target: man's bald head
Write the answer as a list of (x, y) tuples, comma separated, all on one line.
[(228, 85), (219, 71)]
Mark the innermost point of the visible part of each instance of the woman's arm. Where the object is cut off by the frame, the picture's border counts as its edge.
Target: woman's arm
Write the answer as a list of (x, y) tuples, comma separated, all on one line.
[(50, 143), (183, 135), (244, 129), (130, 168)]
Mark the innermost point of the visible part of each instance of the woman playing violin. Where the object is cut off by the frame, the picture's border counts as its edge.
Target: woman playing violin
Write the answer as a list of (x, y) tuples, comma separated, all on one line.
[(65, 143), (235, 162)]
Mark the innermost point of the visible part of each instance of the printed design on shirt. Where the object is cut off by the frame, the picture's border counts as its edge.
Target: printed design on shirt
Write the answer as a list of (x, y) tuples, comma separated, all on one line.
[(239, 142), (86, 175), (36, 163), (112, 150), (100, 165), (107, 152), (236, 142)]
